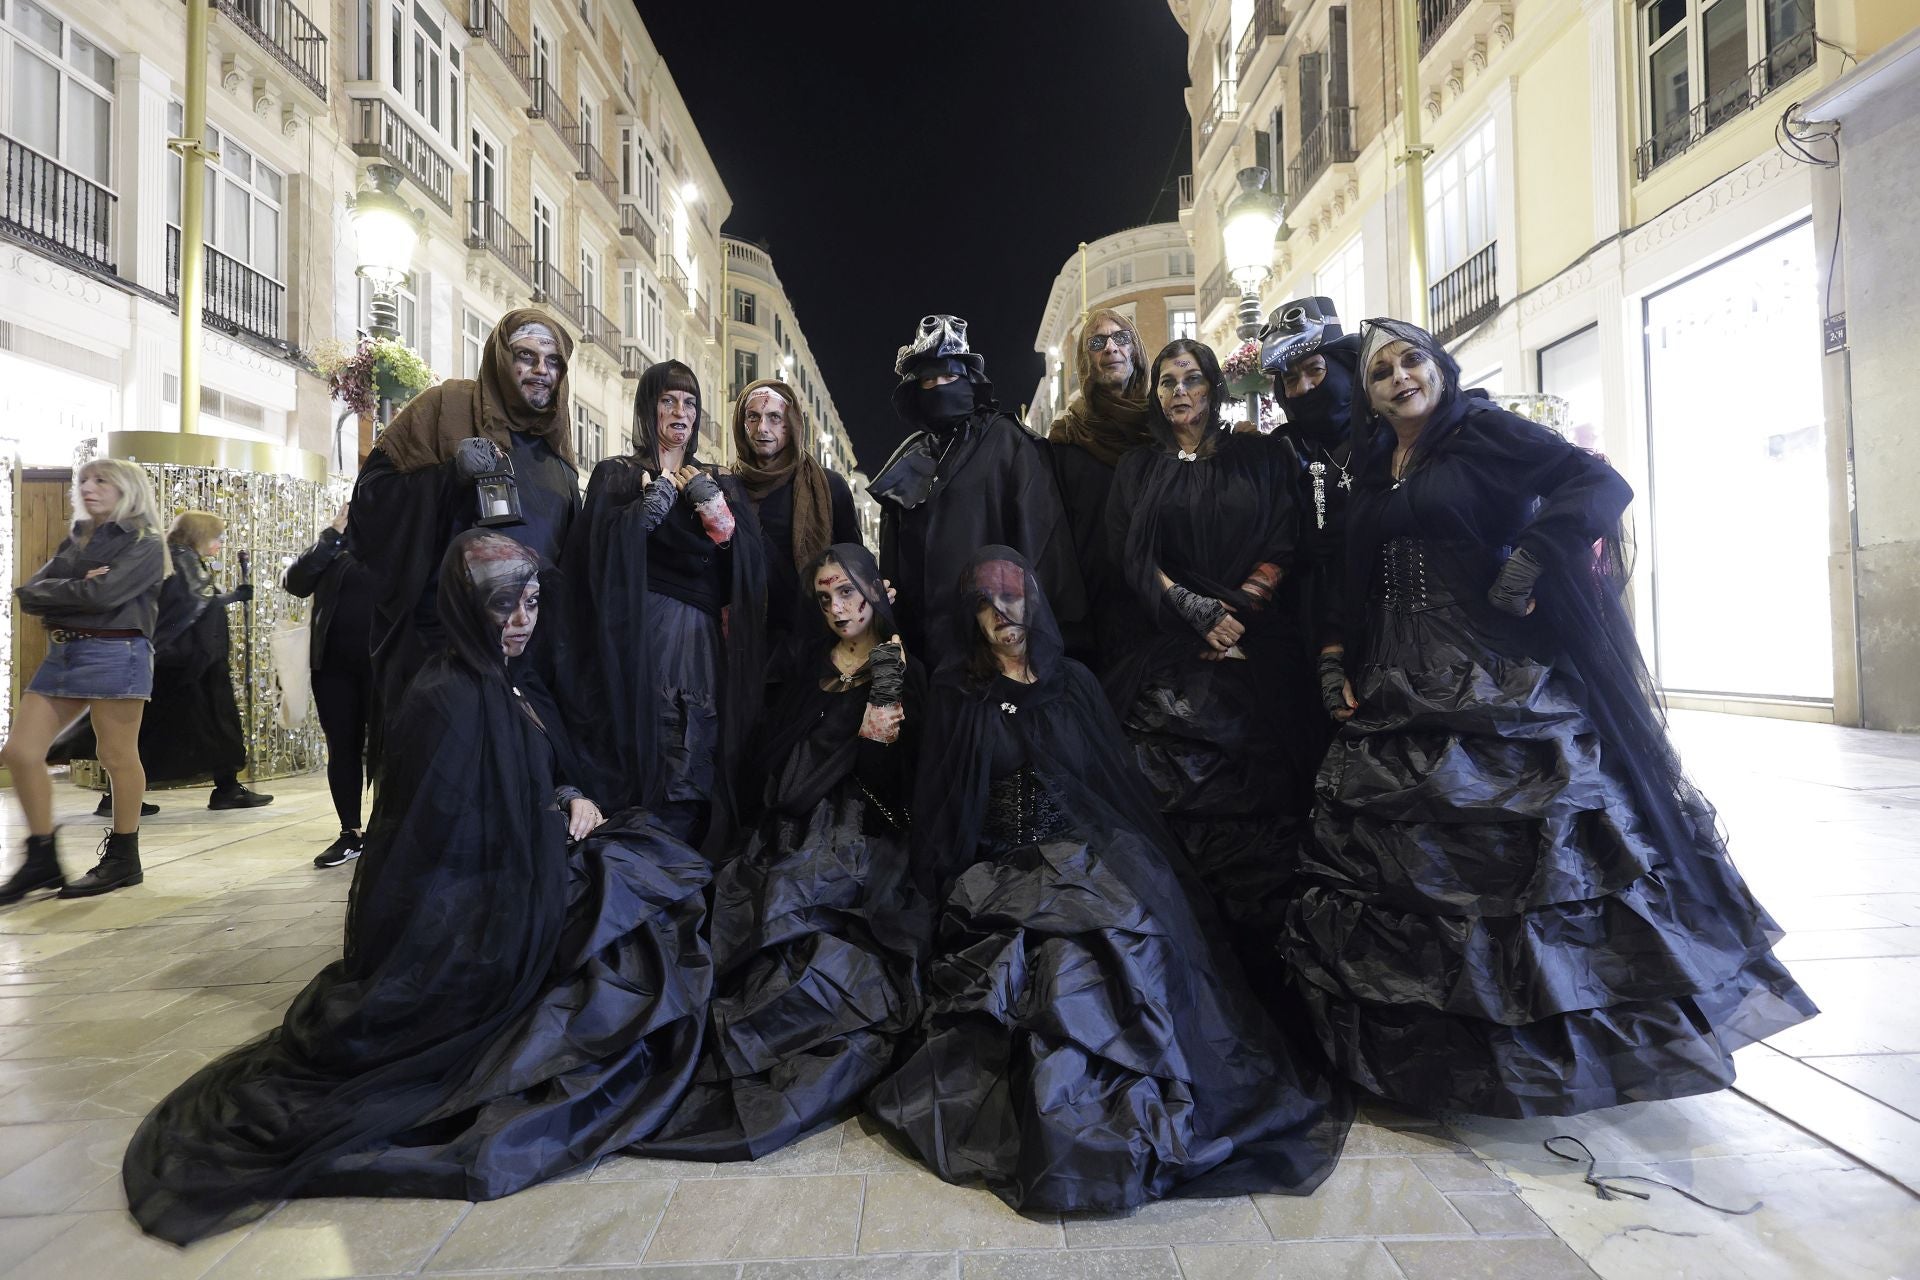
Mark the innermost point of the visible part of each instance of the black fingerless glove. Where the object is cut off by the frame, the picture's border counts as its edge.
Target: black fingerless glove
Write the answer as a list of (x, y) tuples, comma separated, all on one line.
[(701, 488), (887, 670), (1333, 682), (1513, 588), (658, 501), (1202, 613)]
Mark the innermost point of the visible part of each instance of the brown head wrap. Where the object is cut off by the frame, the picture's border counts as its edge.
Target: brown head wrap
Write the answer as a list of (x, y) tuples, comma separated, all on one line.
[(1107, 424), (812, 499), (428, 430)]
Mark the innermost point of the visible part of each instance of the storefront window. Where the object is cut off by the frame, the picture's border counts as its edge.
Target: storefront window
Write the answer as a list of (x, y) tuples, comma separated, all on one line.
[(1570, 369)]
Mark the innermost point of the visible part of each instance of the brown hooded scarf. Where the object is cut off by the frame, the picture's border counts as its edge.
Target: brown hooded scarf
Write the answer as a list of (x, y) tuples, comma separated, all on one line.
[(1107, 424), (434, 422), (812, 499)]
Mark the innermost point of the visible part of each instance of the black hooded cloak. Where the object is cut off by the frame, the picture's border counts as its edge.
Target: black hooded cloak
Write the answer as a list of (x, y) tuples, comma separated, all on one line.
[(1319, 429), (506, 1008), (816, 930), (1089, 1042), (1517, 904)]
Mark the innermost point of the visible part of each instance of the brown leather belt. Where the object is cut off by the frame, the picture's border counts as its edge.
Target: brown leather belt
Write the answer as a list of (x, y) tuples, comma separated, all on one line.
[(64, 635)]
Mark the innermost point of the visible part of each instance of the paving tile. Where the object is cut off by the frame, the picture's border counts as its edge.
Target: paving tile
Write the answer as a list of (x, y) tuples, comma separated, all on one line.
[(1855, 1015), (867, 1148), (1079, 1264), (108, 1246), (59, 1089), (1712, 1124), (111, 1037), (641, 1168), (818, 1153), (20, 1238), (692, 1271), (1893, 1078), (893, 1266), (1498, 1215), (580, 1224), (1177, 1221), (1381, 1196), (1494, 1259), (23, 1143), (721, 1218), (1460, 1173), (1866, 1129), (54, 1179), (914, 1210), (1295, 1260), (1847, 944), (1382, 1140), (323, 1239)]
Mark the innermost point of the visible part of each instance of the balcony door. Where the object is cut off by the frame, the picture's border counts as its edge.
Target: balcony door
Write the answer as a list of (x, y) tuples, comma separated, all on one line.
[(545, 241), (483, 178)]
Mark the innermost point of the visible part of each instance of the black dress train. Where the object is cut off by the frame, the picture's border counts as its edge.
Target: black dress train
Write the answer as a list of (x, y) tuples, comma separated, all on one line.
[(1089, 1042), (506, 1008), (1517, 904)]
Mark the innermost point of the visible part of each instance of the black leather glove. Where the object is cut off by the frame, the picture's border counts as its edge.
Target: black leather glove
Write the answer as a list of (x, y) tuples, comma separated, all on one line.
[(702, 488), (474, 457), (1512, 590), (1202, 613), (1333, 682), (887, 668)]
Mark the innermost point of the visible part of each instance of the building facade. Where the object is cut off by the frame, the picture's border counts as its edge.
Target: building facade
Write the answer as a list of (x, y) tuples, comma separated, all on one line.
[(1610, 219), (544, 141), (1145, 273)]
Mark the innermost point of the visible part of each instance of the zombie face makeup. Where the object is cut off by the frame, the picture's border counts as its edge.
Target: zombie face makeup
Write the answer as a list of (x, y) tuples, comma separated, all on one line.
[(675, 416), (1110, 349), (1183, 392), (516, 613), (1403, 383), (538, 365), (846, 610), (766, 424), (1002, 611)]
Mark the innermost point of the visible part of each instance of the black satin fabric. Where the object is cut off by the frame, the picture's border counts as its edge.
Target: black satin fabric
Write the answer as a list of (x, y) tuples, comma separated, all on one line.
[(1513, 908), (817, 938), (1089, 1042)]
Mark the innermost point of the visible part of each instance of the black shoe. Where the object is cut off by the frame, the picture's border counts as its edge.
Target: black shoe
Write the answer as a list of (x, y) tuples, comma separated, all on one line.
[(344, 849), (105, 808), (119, 866), (238, 798), (41, 870)]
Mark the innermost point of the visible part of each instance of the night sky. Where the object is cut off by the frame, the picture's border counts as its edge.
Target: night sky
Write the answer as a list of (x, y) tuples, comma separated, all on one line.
[(907, 158)]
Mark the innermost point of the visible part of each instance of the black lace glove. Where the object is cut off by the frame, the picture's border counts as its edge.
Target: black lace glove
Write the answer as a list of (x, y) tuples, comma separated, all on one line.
[(1333, 682), (474, 457), (1202, 613), (1512, 590), (702, 488), (887, 669)]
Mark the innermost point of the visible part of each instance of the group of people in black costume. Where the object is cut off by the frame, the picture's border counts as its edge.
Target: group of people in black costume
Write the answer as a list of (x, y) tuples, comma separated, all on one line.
[(1158, 790)]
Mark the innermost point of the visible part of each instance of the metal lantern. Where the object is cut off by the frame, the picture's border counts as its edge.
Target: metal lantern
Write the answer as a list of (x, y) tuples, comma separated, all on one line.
[(496, 495)]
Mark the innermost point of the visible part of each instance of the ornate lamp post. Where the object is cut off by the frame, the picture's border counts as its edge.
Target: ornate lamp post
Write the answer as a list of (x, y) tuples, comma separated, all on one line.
[(1247, 229), (385, 231)]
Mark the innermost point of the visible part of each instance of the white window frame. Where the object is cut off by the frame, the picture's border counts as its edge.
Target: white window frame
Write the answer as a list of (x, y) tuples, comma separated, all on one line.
[(1343, 278), (545, 234), (589, 437), (589, 279), (475, 329), (220, 180), (1463, 200), (486, 158), (421, 56), (1182, 322), (69, 78)]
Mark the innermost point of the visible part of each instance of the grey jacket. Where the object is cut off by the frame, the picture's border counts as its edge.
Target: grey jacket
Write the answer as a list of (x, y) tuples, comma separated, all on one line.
[(125, 598)]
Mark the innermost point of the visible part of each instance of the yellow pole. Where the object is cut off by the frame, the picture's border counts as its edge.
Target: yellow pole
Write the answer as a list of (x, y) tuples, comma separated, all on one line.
[(192, 146), (1414, 158)]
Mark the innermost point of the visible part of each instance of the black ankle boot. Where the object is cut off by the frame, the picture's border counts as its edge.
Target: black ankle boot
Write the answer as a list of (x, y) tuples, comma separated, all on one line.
[(41, 870), (118, 867)]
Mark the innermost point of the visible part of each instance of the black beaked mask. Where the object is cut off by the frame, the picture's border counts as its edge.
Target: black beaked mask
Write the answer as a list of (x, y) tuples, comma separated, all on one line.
[(948, 402)]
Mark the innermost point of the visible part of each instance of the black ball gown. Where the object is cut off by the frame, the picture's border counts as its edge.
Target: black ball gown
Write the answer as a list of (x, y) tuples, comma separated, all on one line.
[(1517, 904), (817, 933), (1088, 1042), (506, 1008), (1229, 746)]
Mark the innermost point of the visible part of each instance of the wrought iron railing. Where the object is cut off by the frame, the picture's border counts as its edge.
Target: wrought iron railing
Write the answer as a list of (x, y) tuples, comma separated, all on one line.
[(289, 35), (378, 130), (545, 103), (634, 223), (596, 328), (487, 21), (595, 170), (633, 362), (235, 296), (1224, 106), (1186, 191), (1436, 16), (56, 210), (1464, 296), (488, 228), (676, 277), (702, 314), (551, 286), (1328, 143), (1214, 290), (1783, 62), (1269, 21)]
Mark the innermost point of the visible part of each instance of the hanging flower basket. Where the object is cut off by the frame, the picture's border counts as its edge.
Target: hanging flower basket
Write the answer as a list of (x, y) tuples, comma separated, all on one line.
[(375, 370), (1242, 370)]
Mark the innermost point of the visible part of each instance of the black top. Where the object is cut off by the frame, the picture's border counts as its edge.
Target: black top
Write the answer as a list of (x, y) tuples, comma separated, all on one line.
[(342, 593), (1112, 614), (125, 598), (776, 532), (549, 497), (684, 564)]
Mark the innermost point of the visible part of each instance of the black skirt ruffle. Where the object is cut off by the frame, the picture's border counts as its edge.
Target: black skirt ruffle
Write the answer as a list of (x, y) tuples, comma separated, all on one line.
[(1483, 924)]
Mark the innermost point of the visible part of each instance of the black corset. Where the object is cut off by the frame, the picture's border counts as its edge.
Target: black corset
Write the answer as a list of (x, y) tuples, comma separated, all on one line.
[(1409, 576), (1020, 810)]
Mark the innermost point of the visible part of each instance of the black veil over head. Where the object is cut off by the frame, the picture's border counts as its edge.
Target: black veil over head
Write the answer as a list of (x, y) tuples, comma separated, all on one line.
[(1002, 578), (1370, 432), (813, 636), (668, 375), (482, 578), (1217, 396)]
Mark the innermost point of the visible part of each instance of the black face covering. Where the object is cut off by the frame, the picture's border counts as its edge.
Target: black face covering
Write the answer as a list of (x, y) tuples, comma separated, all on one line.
[(946, 403), (1322, 413)]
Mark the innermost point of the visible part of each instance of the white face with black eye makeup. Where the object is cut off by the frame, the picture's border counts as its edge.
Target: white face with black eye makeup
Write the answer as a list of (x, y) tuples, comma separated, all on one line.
[(517, 616), (1403, 383), (1183, 391), (846, 610)]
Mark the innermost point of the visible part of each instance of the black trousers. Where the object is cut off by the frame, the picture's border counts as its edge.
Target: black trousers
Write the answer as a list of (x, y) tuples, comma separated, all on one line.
[(344, 698)]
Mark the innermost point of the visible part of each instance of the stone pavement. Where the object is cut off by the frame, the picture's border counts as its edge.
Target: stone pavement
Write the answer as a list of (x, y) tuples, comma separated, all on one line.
[(107, 1003)]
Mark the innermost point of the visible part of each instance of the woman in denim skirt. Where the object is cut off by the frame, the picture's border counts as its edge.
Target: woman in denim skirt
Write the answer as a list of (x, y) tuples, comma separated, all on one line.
[(97, 598)]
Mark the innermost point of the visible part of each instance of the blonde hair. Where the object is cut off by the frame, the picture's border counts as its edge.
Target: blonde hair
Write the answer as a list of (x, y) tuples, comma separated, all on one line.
[(137, 511), (195, 529)]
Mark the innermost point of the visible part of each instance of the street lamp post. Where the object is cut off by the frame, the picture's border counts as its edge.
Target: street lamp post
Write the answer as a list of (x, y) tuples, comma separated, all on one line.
[(385, 231), (1247, 229)]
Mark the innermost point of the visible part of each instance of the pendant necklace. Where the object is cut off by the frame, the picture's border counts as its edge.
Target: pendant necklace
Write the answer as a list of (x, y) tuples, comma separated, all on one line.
[(1318, 470)]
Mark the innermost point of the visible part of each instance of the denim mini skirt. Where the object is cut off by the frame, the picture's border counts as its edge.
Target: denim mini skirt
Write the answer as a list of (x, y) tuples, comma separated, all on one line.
[(92, 667)]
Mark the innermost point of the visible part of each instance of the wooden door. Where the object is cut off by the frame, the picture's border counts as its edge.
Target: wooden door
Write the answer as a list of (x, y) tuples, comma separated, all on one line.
[(44, 510)]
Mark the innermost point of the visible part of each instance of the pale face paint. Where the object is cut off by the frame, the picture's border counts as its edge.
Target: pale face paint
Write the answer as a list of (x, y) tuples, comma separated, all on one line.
[(847, 611), (765, 419)]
